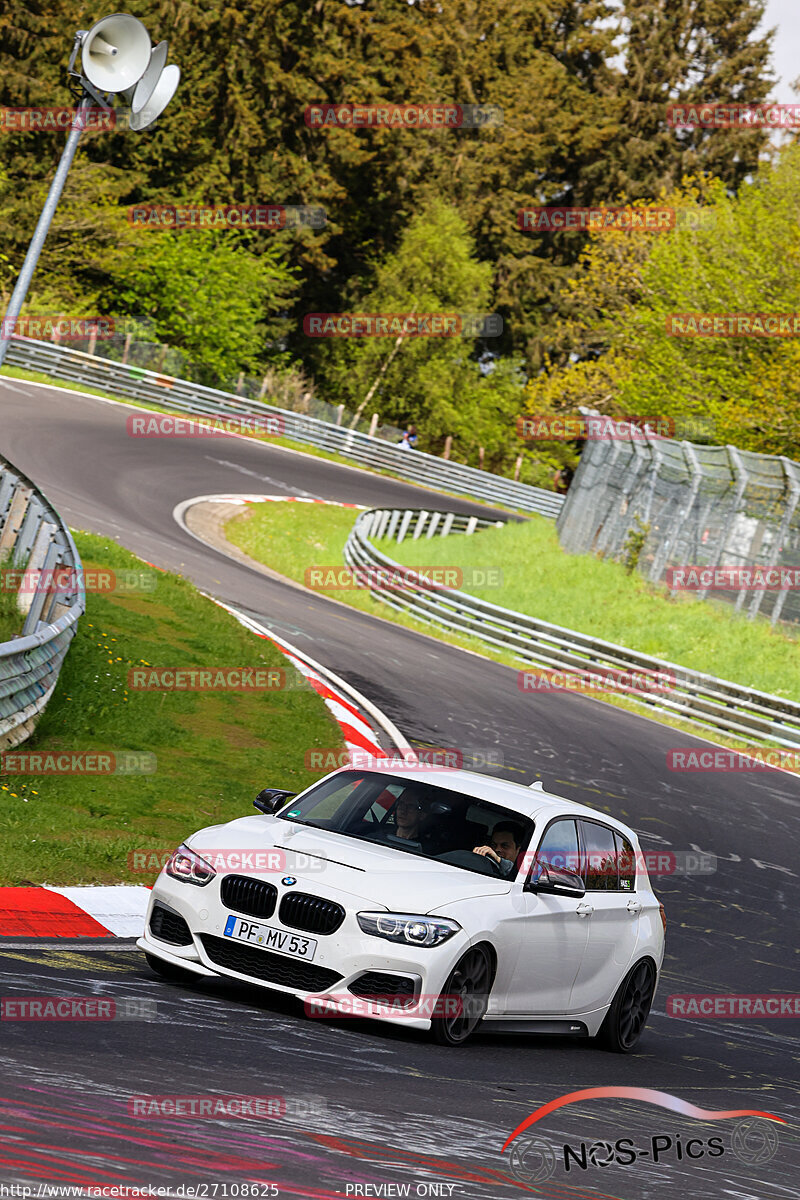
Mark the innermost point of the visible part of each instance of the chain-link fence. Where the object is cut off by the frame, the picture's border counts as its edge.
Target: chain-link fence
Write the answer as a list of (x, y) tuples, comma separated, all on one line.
[(695, 517)]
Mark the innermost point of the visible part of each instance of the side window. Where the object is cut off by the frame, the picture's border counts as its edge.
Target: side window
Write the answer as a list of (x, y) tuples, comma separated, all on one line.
[(558, 849), (382, 803), (627, 864), (599, 858)]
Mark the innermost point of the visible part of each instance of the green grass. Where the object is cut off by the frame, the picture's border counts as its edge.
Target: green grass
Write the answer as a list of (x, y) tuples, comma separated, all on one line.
[(214, 750), (598, 597), (291, 538), (11, 619), (577, 592)]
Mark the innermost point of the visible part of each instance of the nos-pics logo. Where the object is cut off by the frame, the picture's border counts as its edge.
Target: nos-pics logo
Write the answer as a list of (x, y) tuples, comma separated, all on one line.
[(753, 1140)]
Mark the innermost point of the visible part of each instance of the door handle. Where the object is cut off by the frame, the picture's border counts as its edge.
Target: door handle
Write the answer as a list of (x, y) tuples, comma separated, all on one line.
[(634, 906), (584, 910)]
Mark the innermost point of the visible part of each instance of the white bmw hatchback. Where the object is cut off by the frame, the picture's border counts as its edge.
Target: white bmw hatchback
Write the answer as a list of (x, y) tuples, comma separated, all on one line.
[(443, 896)]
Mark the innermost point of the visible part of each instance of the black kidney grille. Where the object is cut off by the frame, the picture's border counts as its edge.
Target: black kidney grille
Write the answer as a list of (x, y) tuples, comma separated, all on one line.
[(169, 926), (271, 968), (251, 896), (310, 913), (380, 985)]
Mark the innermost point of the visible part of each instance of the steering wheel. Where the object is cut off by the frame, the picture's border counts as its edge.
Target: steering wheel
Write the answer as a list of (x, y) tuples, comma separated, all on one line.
[(466, 859), (498, 870)]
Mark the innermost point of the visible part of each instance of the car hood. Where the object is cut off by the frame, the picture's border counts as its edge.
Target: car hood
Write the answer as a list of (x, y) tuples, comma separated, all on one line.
[(326, 863)]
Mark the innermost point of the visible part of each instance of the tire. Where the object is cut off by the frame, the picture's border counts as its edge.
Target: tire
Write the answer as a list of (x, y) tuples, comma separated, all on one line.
[(169, 971), (626, 1018), (471, 981)]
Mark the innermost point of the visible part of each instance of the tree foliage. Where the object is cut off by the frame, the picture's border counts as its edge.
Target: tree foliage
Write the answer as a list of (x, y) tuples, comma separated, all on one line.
[(583, 86), (731, 255)]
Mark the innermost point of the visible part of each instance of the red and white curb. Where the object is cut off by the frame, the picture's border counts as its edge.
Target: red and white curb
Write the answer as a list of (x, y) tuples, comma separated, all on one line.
[(70, 912), (243, 498), (102, 912)]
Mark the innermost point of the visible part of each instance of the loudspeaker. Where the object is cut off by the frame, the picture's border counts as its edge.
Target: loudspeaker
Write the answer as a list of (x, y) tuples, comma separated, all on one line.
[(115, 53), (163, 92), (149, 81)]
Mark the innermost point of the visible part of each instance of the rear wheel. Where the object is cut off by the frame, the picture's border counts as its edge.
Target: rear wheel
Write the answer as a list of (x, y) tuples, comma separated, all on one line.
[(169, 971), (626, 1018), (464, 998)]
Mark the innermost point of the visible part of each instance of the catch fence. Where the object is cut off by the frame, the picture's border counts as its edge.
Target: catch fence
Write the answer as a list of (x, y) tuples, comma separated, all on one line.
[(666, 506)]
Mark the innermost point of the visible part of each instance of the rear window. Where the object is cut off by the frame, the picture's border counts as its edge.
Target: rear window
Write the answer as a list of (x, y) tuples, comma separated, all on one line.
[(627, 863), (599, 858)]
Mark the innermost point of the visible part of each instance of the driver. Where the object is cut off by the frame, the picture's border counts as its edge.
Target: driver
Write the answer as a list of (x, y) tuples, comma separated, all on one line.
[(410, 814), (505, 846)]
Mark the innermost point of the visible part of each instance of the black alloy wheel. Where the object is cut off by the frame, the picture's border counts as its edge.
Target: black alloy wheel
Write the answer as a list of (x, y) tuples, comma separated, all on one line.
[(464, 998), (626, 1018)]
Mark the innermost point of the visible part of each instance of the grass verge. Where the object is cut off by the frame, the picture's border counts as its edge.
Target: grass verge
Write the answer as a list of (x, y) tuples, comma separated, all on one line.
[(578, 592), (598, 597), (214, 750), (11, 620)]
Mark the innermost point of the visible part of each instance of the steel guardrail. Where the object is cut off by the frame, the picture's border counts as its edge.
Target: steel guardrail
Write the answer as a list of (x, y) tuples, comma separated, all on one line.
[(716, 703), (180, 395), (35, 542)]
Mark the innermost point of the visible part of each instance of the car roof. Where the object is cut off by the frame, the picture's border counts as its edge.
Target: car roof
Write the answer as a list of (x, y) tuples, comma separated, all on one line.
[(527, 800)]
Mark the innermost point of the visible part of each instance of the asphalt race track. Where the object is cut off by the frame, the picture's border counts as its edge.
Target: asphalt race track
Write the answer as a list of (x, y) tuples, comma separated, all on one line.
[(368, 1106)]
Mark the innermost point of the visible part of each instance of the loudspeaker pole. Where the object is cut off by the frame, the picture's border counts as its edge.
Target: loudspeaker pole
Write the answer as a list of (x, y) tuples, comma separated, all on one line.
[(117, 60), (42, 229)]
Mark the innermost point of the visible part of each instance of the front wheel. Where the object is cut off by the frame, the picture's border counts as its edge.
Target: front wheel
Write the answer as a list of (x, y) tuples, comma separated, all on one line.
[(464, 998), (626, 1018)]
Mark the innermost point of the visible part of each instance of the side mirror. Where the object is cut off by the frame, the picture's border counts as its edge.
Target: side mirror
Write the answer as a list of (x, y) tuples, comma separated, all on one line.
[(553, 882), (270, 800)]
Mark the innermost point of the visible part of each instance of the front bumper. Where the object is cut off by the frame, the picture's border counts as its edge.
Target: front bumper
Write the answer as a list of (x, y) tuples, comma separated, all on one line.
[(344, 956)]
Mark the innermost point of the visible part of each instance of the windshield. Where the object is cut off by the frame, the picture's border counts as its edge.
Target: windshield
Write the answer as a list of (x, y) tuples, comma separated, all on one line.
[(417, 818)]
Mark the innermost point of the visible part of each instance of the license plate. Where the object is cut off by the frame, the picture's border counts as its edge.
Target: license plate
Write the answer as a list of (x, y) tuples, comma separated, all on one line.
[(266, 937)]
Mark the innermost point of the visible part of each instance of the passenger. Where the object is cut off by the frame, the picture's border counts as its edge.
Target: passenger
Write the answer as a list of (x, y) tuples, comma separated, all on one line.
[(505, 847)]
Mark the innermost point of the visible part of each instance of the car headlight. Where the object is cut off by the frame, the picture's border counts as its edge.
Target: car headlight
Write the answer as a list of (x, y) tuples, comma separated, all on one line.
[(190, 867), (407, 928)]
